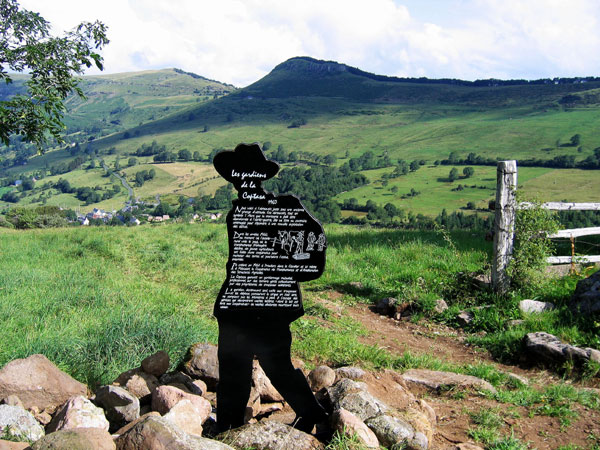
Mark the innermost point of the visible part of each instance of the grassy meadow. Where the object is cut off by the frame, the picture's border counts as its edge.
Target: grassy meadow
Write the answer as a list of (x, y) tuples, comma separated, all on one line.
[(97, 300)]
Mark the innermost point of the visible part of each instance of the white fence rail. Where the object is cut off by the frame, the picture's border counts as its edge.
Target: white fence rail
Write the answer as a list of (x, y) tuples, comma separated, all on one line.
[(506, 207)]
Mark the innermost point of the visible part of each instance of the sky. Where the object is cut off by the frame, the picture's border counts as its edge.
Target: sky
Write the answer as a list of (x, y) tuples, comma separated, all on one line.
[(240, 41)]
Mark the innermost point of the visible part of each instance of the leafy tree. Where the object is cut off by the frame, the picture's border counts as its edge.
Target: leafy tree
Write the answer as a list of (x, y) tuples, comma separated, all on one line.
[(414, 166), (131, 162), (184, 154), (468, 172), (53, 62), (453, 175)]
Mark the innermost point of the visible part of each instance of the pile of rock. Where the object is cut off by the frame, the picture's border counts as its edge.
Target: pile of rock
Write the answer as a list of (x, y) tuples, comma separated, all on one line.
[(151, 408)]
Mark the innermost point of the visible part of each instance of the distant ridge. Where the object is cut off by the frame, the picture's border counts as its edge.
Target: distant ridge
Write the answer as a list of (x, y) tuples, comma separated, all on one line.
[(307, 64)]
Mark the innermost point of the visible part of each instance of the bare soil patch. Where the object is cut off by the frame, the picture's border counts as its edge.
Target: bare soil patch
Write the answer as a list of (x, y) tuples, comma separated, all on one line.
[(453, 411)]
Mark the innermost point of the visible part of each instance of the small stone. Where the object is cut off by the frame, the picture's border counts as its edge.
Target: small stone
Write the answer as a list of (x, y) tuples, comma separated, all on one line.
[(203, 363), (534, 306), (267, 434), (78, 438), (19, 423), (362, 404), (518, 378), (186, 416), (9, 445), (45, 385), (439, 381), (428, 410), (78, 412), (156, 364), (166, 397), (130, 425), (357, 285), (119, 405), (418, 442), (465, 318), (391, 431), (353, 373), (157, 433), (467, 446), (347, 423), (515, 323), (12, 400), (440, 306), (321, 377), (263, 386), (594, 354)]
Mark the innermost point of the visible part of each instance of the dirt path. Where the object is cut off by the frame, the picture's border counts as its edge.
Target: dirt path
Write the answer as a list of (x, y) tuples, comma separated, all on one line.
[(454, 410)]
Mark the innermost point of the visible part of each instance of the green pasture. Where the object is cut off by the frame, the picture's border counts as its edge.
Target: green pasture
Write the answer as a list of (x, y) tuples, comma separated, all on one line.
[(97, 300)]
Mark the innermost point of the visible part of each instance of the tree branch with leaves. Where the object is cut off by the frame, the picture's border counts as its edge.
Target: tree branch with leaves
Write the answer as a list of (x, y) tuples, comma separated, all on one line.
[(52, 64)]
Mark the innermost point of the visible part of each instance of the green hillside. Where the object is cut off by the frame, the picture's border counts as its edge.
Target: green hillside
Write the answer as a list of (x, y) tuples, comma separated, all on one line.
[(320, 108)]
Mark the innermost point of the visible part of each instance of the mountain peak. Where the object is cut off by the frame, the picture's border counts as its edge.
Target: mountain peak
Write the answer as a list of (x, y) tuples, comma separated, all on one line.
[(308, 65)]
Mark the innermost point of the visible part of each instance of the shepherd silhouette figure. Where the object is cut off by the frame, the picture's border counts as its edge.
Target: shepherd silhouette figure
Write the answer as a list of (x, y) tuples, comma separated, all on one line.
[(261, 297)]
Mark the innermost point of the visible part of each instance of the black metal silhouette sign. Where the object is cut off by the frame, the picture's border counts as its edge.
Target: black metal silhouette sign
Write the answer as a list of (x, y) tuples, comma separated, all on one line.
[(274, 243)]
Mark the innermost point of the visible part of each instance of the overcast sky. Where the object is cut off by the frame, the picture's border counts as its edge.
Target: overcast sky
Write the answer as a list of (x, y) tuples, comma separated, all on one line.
[(240, 41)]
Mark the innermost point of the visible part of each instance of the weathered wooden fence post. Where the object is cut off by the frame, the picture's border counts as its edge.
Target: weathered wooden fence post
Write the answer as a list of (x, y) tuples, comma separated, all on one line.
[(506, 207)]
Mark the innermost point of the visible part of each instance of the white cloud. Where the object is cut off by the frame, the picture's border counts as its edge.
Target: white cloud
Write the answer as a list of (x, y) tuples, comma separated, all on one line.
[(239, 41)]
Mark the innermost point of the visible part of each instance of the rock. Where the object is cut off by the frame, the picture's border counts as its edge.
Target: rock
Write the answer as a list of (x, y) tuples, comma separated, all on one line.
[(9, 445), (38, 382), (157, 433), (139, 383), (594, 354), (515, 323), (386, 306), (534, 306), (362, 404), (418, 442), (124, 429), (76, 439), (186, 416), (18, 423), (78, 412), (356, 285), (344, 422), (43, 417), (268, 408), (262, 385), (420, 423), (197, 387), (518, 378), (586, 298), (391, 431), (178, 379), (321, 377), (156, 364), (440, 381), (203, 363), (271, 435), (440, 306), (429, 411), (166, 397), (119, 405), (343, 387), (467, 446), (352, 373), (12, 400), (549, 349), (465, 318)]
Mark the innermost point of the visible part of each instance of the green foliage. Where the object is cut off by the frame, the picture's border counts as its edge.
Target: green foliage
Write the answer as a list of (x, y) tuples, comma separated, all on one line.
[(340, 441), (532, 246), (52, 62)]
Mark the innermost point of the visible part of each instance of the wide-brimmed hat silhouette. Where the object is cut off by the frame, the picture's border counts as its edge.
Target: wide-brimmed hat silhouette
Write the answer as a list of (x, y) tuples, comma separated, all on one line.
[(246, 160)]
